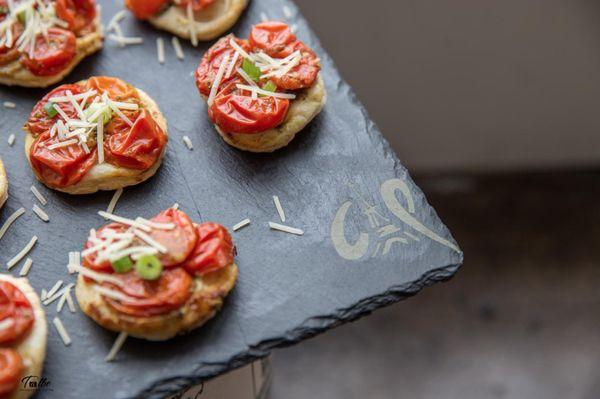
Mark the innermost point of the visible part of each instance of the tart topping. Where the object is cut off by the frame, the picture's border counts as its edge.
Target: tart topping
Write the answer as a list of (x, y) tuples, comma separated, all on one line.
[(11, 370), (16, 314)]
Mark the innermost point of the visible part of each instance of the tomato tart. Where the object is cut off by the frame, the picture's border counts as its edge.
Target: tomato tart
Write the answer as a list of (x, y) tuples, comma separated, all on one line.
[(190, 19), (97, 134), (157, 278), (41, 41), (262, 91), (23, 334), (3, 185)]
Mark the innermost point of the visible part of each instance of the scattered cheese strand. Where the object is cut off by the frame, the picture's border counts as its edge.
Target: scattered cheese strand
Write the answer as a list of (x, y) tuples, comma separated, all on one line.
[(40, 213), (118, 344), (11, 139), (241, 224), (113, 202), (9, 104), (11, 219), (11, 263), (188, 143), (38, 195), (26, 267), (177, 47), (160, 48), (285, 229), (279, 208), (62, 331)]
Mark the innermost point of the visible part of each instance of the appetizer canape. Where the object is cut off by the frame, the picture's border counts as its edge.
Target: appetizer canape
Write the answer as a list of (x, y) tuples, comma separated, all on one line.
[(3, 185), (190, 19), (156, 278), (41, 41), (23, 334), (97, 134), (261, 92)]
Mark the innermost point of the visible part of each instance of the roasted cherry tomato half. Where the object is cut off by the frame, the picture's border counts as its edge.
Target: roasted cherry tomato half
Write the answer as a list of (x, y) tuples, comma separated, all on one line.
[(273, 38), (15, 307), (11, 371), (197, 5), (213, 251), (302, 75), (39, 122), (51, 54), (79, 14), (179, 241), (145, 9), (91, 260), (10, 54)]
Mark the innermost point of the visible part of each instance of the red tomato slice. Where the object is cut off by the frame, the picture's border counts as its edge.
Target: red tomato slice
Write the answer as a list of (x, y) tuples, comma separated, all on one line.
[(145, 9), (304, 74), (117, 89), (197, 5), (171, 291), (14, 305), (180, 241), (91, 260), (136, 147), (79, 14), (236, 113), (272, 37), (211, 61), (39, 122), (213, 251), (52, 54), (63, 166), (8, 55), (11, 370)]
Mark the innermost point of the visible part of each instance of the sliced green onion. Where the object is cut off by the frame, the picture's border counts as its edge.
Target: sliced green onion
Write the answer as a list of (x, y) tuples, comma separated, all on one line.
[(252, 70), (149, 267), (50, 110), (270, 86), (122, 265), (94, 108)]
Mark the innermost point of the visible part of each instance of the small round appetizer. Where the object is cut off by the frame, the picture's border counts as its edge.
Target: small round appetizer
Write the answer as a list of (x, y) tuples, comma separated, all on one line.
[(97, 134), (157, 278), (3, 185), (261, 92), (41, 41), (23, 334), (190, 19)]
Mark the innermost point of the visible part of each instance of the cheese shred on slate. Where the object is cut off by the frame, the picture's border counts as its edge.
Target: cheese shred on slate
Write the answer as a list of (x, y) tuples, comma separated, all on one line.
[(11, 263), (241, 224), (11, 139), (160, 50), (38, 195), (280, 210), (118, 344), (40, 213), (62, 331), (11, 219), (177, 47), (26, 267), (285, 229), (113, 201), (9, 104), (188, 143)]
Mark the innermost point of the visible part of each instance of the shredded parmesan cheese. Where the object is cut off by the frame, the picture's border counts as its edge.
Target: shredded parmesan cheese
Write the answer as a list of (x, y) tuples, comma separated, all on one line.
[(279, 208), (241, 224), (38, 195), (40, 213), (188, 143), (113, 202), (177, 47), (129, 222), (192, 24), (9, 104), (70, 303), (62, 331), (265, 92), (26, 267), (287, 12), (54, 288), (217, 82), (11, 263), (285, 229), (11, 219), (98, 277), (125, 41), (160, 49), (116, 347), (11, 139)]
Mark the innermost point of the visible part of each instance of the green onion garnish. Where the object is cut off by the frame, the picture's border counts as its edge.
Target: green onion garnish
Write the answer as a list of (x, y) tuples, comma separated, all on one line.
[(270, 86), (50, 110), (252, 70), (122, 265), (149, 267)]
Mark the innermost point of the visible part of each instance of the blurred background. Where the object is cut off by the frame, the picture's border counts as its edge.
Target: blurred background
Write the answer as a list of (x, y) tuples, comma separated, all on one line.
[(495, 109)]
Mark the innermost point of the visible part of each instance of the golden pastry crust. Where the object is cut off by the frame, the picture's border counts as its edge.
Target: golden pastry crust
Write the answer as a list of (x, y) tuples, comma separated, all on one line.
[(33, 348), (303, 109), (207, 299), (14, 74), (105, 176), (3, 185), (210, 23)]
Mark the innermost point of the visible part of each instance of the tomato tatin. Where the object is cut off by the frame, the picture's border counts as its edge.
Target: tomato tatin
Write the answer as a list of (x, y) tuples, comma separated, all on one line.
[(3, 185), (190, 19), (262, 91), (155, 278), (98, 134), (23, 334), (41, 41)]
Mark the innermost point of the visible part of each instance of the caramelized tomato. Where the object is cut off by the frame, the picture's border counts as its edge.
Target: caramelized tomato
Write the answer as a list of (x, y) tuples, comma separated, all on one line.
[(145, 9), (10, 54), (39, 122), (213, 251), (197, 5), (273, 38), (91, 260), (211, 61), (149, 298), (302, 75), (11, 370), (135, 147), (79, 14), (51, 54), (237, 113), (16, 307), (63, 166), (179, 241), (117, 89)]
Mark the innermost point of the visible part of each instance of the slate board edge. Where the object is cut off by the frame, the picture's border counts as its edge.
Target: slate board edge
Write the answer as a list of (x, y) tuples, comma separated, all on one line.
[(308, 329)]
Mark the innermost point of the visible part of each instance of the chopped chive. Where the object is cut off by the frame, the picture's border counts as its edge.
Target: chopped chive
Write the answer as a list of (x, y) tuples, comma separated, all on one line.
[(252, 70), (50, 110), (122, 265)]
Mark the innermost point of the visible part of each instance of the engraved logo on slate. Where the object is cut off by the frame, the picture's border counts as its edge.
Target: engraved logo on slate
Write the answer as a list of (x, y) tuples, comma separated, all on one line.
[(381, 233)]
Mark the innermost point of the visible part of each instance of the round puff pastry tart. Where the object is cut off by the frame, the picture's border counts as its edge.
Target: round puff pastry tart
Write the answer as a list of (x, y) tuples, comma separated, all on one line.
[(262, 91), (42, 41), (97, 134), (23, 334), (3, 185), (157, 278), (190, 19)]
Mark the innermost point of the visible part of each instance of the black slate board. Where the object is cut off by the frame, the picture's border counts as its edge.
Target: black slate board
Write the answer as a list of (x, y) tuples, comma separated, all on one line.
[(290, 288)]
